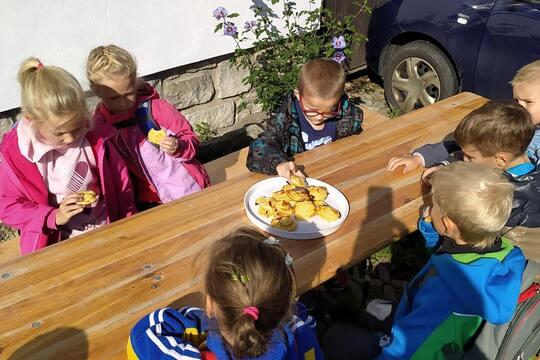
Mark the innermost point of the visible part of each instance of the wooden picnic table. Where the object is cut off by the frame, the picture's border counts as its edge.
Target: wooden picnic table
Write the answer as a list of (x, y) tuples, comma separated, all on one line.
[(79, 299)]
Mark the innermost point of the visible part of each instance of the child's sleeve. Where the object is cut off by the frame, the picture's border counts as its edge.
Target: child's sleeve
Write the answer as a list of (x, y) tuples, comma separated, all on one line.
[(165, 334), (419, 333), (269, 149), (18, 211), (304, 327), (166, 115), (431, 154)]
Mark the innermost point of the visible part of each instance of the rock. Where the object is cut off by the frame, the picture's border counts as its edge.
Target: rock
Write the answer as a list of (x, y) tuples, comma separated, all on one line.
[(254, 130), (6, 123), (218, 114), (188, 90), (228, 80)]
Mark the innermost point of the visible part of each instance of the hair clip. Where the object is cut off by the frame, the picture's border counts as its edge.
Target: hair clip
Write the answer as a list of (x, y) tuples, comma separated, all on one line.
[(39, 65), (288, 260), (244, 279), (271, 241)]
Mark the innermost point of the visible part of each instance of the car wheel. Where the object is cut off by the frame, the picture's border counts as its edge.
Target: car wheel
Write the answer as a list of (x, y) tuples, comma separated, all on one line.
[(417, 74)]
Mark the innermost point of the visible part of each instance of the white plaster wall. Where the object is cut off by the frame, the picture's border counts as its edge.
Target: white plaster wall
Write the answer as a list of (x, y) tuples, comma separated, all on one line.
[(162, 34)]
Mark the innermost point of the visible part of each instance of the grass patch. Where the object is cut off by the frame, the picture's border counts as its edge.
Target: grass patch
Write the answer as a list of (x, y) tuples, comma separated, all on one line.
[(6, 233)]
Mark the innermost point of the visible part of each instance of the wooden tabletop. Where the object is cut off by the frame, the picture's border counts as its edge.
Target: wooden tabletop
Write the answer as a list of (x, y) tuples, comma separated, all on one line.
[(79, 299)]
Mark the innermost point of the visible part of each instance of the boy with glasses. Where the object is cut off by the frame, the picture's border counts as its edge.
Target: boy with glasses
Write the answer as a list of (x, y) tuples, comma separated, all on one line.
[(317, 112)]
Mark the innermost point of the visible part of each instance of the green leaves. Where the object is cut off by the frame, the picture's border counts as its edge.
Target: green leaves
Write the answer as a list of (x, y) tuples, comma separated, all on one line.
[(275, 57)]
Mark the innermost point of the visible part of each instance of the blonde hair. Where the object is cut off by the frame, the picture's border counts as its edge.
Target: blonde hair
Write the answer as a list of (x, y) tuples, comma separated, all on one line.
[(528, 72), (50, 90), (105, 61), (245, 272), (496, 127), (322, 78), (477, 198)]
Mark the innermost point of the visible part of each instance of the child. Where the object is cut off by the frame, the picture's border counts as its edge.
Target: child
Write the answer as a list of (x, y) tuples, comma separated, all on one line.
[(51, 156), (250, 290), (317, 112), (526, 88), (474, 275), (161, 172), (497, 134)]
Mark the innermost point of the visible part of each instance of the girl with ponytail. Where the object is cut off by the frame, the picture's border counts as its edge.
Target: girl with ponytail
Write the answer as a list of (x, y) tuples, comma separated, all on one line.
[(250, 310)]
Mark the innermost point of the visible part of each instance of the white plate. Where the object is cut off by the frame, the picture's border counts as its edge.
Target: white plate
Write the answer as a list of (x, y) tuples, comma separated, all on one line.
[(315, 228)]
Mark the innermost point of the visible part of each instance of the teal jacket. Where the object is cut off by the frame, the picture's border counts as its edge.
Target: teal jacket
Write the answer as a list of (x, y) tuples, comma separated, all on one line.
[(445, 303), (283, 139)]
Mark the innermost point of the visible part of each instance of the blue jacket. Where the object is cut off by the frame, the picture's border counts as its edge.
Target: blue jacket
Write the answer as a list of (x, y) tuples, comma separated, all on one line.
[(445, 303), (184, 334)]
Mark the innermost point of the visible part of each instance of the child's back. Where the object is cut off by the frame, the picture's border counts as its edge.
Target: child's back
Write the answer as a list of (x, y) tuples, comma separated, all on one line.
[(250, 311)]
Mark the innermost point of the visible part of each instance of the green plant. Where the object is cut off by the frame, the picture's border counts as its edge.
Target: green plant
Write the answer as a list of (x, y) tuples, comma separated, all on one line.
[(275, 57), (6, 233), (204, 132), (394, 112)]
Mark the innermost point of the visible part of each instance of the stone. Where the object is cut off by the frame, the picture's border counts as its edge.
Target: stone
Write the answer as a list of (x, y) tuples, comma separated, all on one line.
[(6, 123), (228, 80), (203, 67), (218, 114), (188, 90), (254, 130)]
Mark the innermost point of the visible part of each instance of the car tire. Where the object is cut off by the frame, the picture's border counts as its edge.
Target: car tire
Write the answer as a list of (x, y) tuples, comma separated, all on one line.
[(417, 74)]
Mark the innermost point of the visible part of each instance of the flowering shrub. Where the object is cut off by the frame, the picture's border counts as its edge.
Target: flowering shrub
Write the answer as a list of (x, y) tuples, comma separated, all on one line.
[(276, 57)]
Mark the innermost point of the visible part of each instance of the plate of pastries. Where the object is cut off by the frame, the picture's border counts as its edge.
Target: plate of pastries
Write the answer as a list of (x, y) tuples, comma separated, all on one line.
[(296, 208)]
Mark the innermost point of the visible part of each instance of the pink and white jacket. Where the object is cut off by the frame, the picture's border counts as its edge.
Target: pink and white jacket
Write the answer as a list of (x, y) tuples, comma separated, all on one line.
[(158, 176), (24, 198)]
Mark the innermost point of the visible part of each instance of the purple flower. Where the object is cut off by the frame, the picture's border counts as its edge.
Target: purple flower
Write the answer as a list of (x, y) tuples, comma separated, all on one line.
[(230, 29), (220, 13), (248, 25), (339, 57), (339, 43)]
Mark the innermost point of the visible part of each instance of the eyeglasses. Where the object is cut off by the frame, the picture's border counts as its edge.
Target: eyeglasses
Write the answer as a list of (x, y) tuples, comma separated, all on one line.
[(324, 114)]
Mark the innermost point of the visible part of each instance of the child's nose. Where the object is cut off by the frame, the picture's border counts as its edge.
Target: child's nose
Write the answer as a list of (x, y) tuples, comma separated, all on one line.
[(68, 138)]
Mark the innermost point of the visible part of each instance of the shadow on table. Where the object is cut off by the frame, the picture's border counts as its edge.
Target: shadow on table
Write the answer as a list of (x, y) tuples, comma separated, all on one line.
[(52, 345)]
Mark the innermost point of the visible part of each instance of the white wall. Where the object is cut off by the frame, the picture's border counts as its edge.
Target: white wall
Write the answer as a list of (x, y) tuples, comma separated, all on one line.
[(162, 34)]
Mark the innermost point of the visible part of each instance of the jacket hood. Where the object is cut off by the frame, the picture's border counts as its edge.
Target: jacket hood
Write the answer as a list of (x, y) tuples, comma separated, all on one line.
[(487, 285), (526, 203)]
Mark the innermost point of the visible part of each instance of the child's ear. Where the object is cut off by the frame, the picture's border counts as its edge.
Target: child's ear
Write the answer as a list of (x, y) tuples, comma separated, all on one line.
[(501, 160), (296, 93), (210, 310), (450, 227), (28, 116)]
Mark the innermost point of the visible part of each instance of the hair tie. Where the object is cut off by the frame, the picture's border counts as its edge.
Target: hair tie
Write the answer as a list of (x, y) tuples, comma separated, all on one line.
[(251, 311), (39, 65)]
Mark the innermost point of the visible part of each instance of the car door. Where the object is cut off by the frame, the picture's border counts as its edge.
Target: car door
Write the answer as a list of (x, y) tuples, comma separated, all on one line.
[(511, 40)]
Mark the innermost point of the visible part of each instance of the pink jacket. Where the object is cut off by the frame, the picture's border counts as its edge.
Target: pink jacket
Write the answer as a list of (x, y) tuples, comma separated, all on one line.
[(168, 177), (24, 197)]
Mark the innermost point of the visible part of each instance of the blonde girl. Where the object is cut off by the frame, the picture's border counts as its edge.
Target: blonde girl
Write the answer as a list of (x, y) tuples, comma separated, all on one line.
[(52, 157), (250, 310), (164, 167)]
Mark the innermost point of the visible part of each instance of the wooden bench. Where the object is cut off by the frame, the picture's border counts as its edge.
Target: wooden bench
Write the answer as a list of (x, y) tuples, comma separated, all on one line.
[(234, 164), (79, 299)]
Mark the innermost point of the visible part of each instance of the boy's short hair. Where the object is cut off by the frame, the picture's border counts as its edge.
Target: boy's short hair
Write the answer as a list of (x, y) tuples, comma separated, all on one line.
[(527, 73), (477, 198), (322, 78), (496, 127)]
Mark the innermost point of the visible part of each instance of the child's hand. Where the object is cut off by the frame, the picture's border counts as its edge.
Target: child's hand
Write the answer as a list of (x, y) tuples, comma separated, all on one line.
[(288, 168), (426, 174), (169, 144), (69, 208), (409, 163)]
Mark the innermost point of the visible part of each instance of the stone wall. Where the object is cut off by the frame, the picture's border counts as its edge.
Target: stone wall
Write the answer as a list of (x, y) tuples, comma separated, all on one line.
[(210, 91)]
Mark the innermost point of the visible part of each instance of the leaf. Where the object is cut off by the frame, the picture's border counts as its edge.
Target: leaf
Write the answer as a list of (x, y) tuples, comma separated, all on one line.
[(233, 15), (218, 27)]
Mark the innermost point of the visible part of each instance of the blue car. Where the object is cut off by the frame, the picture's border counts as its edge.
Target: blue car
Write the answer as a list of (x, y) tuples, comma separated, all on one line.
[(427, 50)]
